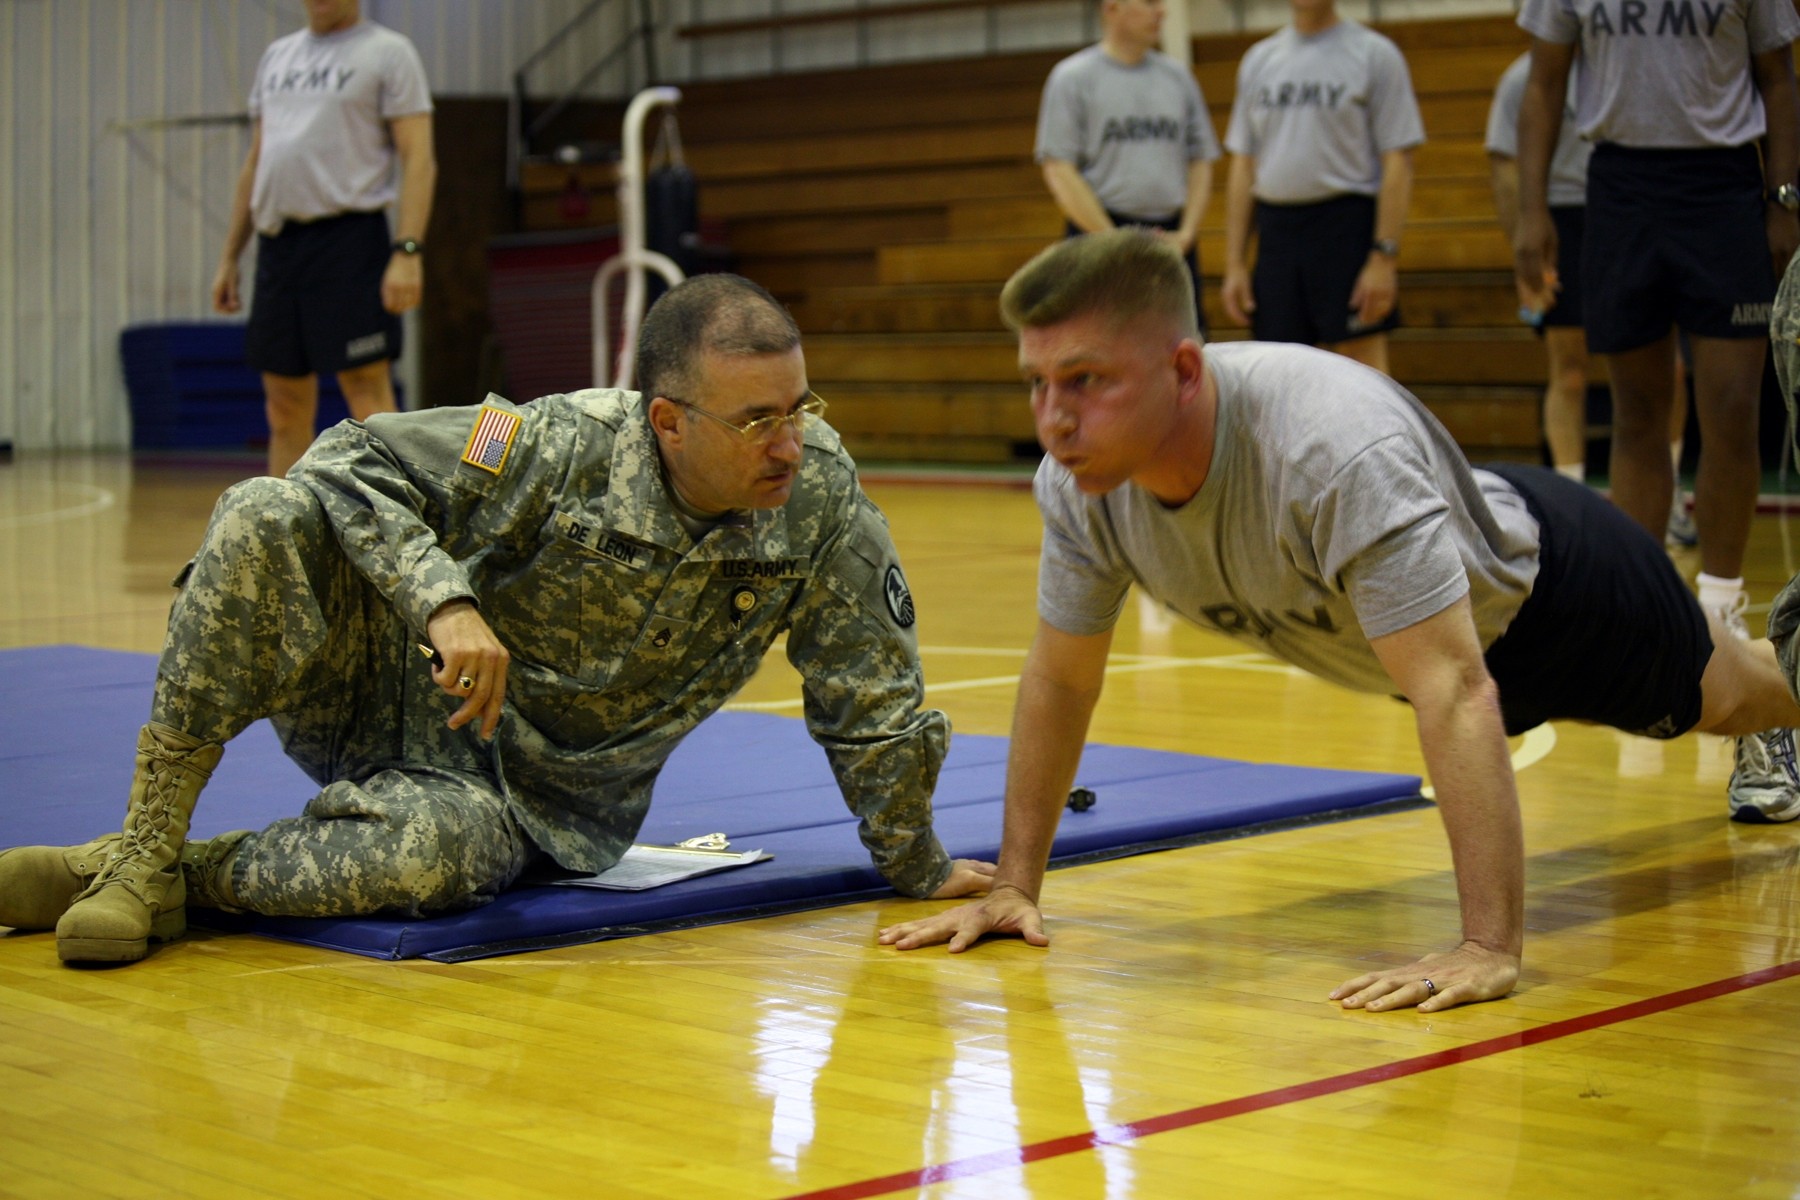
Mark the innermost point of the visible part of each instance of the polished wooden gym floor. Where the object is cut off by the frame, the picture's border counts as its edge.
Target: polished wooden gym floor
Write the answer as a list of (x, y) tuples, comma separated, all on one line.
[(1174, 1041)]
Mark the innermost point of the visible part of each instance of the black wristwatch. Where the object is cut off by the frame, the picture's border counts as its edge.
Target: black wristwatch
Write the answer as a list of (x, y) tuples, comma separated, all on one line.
[(409, 246), (1387, 246), (1787, 195)]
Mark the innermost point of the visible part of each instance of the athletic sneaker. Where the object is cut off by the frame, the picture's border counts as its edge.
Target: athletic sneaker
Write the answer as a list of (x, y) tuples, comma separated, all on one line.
[(1765, 786), (1682, 531)]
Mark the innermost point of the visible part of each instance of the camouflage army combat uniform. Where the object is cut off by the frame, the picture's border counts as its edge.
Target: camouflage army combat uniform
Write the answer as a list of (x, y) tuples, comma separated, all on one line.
[(308, 596)]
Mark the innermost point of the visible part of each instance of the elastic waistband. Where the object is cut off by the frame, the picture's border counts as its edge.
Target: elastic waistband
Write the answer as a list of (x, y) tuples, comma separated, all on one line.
[(1346, 200), (1679, 157), (294, 225)]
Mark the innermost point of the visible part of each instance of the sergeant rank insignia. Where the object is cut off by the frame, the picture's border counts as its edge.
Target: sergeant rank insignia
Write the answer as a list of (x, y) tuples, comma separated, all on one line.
[(491, 439), (743, 599)]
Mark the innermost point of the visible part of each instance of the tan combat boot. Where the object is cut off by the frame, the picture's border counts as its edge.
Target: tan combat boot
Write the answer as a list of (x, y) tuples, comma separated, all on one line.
[(138, 893), (38, 883), (206, 870)]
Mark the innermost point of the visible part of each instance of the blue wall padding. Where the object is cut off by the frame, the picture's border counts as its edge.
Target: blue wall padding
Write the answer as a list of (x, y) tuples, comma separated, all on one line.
[(66, 756), (191, 386)]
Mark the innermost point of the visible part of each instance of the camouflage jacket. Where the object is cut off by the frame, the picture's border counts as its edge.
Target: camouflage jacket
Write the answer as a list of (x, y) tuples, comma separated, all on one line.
[(624, 632)]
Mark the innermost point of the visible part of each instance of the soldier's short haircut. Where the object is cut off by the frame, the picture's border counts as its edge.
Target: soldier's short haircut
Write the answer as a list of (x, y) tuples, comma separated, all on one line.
[(1120, 273), (723, 314)]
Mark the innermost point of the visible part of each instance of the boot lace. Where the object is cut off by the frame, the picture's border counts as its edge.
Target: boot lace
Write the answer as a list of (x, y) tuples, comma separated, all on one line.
[(147, 825)]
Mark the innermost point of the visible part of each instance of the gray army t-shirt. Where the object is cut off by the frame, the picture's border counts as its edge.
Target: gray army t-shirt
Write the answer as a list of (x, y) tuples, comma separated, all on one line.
[(1568, 161), (1317, 113), (1130, 130), (324, 103), (1336, 510), (1669, 74)]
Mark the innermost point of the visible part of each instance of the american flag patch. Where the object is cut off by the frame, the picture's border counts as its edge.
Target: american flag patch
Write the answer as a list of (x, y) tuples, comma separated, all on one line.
[(491, 439)]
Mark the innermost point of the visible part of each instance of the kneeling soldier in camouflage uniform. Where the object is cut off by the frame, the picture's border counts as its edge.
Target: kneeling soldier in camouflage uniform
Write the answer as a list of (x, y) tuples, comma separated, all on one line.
[(604, 569)]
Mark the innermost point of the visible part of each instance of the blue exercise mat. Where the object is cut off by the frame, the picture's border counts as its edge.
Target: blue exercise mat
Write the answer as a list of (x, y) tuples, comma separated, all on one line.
[(66, 761)]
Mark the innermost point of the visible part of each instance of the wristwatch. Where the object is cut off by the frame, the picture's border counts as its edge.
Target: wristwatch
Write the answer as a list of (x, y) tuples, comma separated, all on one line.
[(409, 246), (1387, 246), (1787, 195)]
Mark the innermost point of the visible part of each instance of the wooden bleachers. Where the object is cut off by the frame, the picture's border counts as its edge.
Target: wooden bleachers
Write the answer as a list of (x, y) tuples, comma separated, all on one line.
[(887, 205)]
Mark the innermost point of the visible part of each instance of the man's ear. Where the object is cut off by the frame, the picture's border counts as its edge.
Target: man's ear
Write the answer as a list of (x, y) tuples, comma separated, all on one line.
[(665, 418), (1188, 371)]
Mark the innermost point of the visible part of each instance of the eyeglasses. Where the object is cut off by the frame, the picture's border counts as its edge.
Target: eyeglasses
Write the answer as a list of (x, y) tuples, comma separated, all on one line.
[(764, 429)]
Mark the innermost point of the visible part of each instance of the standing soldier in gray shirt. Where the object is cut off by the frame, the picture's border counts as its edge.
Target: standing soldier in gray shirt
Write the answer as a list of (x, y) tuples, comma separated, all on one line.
[(1560, 324), (1124, 137), (333, 107), (1321, 137), (1689, 224), (603, 570), (1317, 511)]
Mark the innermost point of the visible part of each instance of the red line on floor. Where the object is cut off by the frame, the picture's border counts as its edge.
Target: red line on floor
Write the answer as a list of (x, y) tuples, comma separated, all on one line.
[(1114, 1135)]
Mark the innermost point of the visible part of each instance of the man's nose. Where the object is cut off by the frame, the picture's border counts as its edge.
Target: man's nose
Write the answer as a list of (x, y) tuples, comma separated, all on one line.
[(788, 444), (1055, 417)]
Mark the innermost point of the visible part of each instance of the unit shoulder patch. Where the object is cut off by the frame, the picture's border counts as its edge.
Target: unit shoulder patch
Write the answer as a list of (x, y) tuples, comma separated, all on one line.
[(899, 597)]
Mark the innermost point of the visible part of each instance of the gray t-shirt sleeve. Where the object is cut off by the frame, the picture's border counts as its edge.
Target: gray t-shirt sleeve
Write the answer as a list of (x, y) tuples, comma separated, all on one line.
[(1382, 532), (256, 84), (1773, 24), (1503, 114), (1202, 141), (1062, 118), (1550, 20), (1568, 159), (1240, 138), (1081, 581), (1394, 118), (404, 92)]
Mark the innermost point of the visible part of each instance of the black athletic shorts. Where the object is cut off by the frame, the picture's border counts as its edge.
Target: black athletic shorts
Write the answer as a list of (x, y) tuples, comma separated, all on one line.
[(1569, 237), (317, 306), (1610, 633), (1675, 237), (1192, 257), (1307, 259)]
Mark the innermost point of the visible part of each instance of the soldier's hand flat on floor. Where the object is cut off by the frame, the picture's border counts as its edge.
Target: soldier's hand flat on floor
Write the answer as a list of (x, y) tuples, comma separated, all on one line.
[(968, 877), (1006, 910), (1469, 973), (471, 652)]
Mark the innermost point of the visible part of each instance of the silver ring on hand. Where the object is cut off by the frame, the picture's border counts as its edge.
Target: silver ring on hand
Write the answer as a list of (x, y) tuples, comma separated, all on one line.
[(1430, 988), (468, 685)]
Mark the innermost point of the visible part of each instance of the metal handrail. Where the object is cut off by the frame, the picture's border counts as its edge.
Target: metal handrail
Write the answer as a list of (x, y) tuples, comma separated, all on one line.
[(518, 132), (633, 256)]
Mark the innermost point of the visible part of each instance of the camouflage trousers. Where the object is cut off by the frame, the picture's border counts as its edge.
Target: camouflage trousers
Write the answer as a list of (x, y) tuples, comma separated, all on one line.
[(272, 621)]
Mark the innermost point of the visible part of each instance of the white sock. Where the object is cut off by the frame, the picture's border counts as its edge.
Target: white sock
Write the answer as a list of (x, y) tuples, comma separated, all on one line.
[(1719, 595), (1573, 471)]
